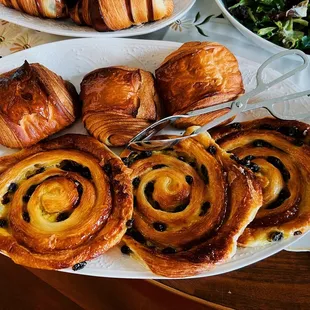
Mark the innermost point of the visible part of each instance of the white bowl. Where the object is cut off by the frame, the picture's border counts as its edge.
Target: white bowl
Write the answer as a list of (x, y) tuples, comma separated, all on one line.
[(261, 42)]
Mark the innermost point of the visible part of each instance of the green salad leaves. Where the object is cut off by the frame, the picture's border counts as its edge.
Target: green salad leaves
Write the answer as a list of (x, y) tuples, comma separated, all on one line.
[(283, 22)]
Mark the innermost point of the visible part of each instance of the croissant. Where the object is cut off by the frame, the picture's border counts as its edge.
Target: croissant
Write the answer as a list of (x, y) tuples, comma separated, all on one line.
[(279, 154), (198, 75), (35, 103), (107, 15), (49, 9), (118, 102), (63, 202), (191, 203)]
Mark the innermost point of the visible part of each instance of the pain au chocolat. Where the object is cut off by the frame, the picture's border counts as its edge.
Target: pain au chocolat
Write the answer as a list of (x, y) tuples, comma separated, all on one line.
[(35, 103), (279, 154), (63, 202), (198, 75), (47, 9), (118, 102), (191, 203), (107, 15)]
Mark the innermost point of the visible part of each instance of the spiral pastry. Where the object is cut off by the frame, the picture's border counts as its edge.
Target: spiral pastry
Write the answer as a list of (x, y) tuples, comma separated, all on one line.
[(279, 154), (191, 203), (63, 202)]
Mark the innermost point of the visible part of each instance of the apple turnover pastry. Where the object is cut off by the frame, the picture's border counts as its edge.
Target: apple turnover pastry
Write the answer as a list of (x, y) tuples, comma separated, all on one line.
[(118, 103), (279, 154), (191, 203), (35, 103), (196, 76), (63, 202)]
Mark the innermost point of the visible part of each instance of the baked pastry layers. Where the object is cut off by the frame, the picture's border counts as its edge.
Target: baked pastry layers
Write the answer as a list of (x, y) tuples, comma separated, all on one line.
[(191, 203), (63, 202), (198, 75), (118, 103), (41, 8), (35, 103), (279, 154), (107, 15)]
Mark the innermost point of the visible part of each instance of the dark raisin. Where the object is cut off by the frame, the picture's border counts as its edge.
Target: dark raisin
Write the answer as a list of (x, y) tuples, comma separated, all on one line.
[(159, 226), (245, 162), (135, 202), (107, 168), (298, 143), (137, 236), (236, 125), (297, 233), (181, 158), (70, 165), (265, 127), (275, 162), (125, 160), (26, 198), (254, 167), (168, 250), (6, 199), (79, 188), (276, 236), (40, 170), (283, 195), (159, 167), (62, 217), (261, 143), (204, 208), (289, 131), (27, 96), (212, 149), (125, 250), (129, 223), (3, 223), (180, 208), (79, 266), (156, 205), (193, 164), (234, 157), (136, 182), (149, 188), (189, 179), (12, 188), (85, 173), (205, 174), (145, 154), (249, 157), (26, 217)]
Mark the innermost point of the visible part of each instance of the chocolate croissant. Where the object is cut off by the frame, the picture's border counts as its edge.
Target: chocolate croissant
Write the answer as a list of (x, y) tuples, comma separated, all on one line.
[(191, 204), (198, 75), (63, 202), (48, 9), (118, 102), (107, 15), (35, 103), (279, 154)]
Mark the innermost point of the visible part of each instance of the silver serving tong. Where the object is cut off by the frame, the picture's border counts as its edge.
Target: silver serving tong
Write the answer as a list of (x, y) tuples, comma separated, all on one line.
[(144, 140)]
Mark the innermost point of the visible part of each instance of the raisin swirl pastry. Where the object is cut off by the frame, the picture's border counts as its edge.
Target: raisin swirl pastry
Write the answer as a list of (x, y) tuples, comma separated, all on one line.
[(35, 103), (191, 203), (118, 103), (41, 8), (279, 154), (63, 202)]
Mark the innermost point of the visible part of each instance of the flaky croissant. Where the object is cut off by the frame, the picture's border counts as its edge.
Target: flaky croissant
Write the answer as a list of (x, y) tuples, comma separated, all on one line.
[(35, 103), (118, 102), (198, 75), (49, 9), (106, 15)]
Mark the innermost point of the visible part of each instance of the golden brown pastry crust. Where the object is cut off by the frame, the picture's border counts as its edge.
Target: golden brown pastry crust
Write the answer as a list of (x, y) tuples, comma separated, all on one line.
[(35, 103), (41, 8), (118, 102), (281, 151), (191, 204), (63, 201), (107, 15), (198, 75)]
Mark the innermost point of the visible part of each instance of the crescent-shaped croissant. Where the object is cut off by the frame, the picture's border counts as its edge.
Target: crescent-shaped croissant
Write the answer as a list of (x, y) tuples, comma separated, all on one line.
[(198, 75), (41, 8), (106, 15), (118, 102), (35, 103)]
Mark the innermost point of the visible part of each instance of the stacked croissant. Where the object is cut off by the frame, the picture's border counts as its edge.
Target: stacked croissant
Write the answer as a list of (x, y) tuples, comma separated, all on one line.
[(102, 15), (182, 210)]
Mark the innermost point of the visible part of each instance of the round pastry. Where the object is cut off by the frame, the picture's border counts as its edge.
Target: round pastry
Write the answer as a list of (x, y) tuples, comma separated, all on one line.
[(49, 9), (118, 102), (191, 203), (35, 103), (196, 76), (279, 154), (107, 15), (63, 202)]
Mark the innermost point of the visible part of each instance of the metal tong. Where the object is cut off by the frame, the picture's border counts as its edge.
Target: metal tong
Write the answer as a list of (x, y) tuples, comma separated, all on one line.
[(144, 140)]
